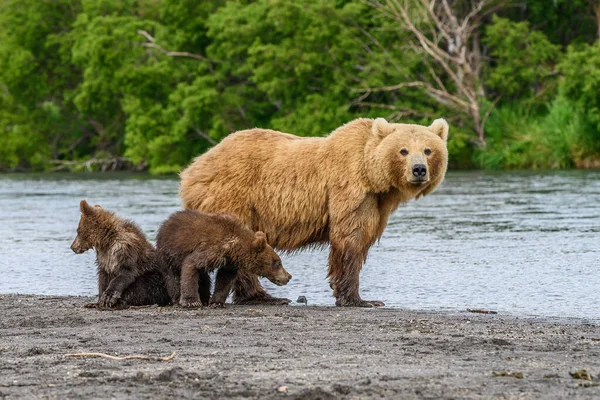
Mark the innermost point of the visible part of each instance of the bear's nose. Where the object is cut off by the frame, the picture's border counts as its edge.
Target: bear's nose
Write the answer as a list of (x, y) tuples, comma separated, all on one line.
[(419, 170)]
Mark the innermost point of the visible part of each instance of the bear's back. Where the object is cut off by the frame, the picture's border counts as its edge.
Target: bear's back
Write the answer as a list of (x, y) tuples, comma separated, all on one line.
[(276, 182), (188, 230)]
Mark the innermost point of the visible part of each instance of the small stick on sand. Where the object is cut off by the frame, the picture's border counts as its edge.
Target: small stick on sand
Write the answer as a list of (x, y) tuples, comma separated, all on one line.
[(120, 358), (481, 311)]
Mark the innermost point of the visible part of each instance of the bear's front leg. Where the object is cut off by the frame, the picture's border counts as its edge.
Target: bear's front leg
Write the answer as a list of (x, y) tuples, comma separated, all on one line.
[(344, 270), (116, 287), (351, 235), (248, 291)]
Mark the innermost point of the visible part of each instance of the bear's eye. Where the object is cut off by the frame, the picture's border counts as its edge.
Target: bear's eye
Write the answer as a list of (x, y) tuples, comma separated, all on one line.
[(427, 152), (404, 152)]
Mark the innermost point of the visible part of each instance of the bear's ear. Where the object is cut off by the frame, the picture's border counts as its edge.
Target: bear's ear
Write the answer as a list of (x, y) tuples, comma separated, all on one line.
[(260, 241), (440, 128), (86, 209), (381, 127)]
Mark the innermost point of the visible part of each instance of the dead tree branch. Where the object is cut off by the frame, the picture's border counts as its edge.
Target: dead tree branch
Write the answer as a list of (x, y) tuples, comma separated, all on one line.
[(204, 136), (135, 357), (448, 37), (151, 43)]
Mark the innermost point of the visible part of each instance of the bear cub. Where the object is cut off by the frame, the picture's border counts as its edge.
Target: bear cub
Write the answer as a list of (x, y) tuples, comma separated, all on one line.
[(191, 244), (127, 272)]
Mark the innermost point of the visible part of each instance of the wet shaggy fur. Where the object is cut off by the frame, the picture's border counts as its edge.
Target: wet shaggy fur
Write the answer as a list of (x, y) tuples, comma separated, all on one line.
[(127, 273), (339, 189), (191, 244)]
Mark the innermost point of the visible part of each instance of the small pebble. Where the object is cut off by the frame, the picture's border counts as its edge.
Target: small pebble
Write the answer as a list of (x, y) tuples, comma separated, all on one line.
[(282, 389)]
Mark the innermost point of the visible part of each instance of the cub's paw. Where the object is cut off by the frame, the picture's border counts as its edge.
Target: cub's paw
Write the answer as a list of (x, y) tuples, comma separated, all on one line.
[(263, 300), (217, 305), (92, 305), (278, 301), (359, 303), (190, 303), (109, 298)]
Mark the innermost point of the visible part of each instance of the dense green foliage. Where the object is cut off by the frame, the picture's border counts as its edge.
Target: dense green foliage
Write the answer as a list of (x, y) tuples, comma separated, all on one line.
[(158, 82)]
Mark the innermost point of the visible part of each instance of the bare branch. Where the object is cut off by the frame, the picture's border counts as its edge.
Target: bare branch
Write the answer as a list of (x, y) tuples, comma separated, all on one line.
[(378, 44), (489, 111), (399, 111), (152, 44), (441, 56), (437, 94), (146, 35), (434, 75), (450, 14), (204, 136), (436, 20), (447, 37), (391, 88)]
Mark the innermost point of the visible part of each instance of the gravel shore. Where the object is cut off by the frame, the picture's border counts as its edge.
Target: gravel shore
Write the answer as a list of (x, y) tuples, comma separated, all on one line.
[(291, 352)]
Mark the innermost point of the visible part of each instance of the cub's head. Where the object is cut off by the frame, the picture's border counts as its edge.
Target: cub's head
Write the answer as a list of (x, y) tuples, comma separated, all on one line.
[(266, 262), (92, 228), (412, 158)]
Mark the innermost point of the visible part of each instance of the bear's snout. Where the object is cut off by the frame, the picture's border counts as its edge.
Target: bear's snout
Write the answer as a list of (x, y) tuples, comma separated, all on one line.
[(419, 171), (282, 278), (76, 248)]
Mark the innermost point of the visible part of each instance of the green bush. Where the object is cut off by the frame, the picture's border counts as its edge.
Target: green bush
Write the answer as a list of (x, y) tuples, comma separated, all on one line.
[(559, 137)]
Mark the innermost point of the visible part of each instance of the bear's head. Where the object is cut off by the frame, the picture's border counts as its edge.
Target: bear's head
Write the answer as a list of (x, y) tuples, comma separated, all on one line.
[(411, 158), (266, 262), (94, 225)]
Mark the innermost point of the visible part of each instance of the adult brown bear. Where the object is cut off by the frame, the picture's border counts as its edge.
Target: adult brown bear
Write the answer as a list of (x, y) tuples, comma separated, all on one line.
[(338, 189)]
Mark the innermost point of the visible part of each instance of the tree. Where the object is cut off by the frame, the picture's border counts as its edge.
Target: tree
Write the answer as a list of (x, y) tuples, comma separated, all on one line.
[(446, 34), (521, 60), (37, 120)]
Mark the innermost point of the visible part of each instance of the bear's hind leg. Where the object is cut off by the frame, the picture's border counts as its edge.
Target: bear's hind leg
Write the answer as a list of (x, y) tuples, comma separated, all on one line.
[(248, 291)]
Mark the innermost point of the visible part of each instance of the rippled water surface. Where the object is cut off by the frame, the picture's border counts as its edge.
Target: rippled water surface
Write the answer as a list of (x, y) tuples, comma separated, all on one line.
[(517, 243)]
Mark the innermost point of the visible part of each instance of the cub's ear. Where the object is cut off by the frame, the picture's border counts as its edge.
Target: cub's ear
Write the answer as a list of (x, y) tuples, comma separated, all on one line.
[(86, 209), (260, 241), (440, 128), (381, 127)]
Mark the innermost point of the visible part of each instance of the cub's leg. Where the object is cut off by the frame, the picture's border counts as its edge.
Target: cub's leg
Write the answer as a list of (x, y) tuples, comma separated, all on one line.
[(116, 287), (172, 282), (223, 283), (204, 287), (248, 290), (103, 281), (190, 273)]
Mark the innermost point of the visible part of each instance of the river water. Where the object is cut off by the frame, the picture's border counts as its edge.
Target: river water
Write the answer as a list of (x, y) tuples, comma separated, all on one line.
[(514, 242)]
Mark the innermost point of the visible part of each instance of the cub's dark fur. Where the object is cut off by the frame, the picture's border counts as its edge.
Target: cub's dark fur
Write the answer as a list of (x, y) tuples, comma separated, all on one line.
[(191, 244)]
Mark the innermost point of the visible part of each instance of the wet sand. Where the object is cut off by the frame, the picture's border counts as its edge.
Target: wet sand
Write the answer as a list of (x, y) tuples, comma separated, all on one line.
[(304, 352)]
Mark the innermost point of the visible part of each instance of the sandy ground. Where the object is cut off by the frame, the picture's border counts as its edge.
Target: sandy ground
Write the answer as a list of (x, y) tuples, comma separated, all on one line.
[(304, 352)]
